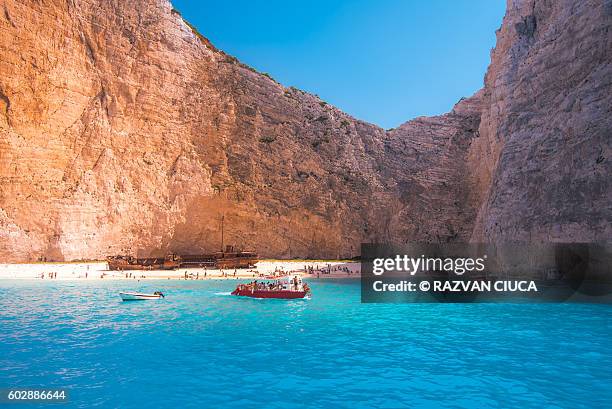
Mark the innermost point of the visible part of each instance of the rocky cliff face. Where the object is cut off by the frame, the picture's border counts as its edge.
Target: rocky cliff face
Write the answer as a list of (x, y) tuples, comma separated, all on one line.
[(542, 161), (122, 130)]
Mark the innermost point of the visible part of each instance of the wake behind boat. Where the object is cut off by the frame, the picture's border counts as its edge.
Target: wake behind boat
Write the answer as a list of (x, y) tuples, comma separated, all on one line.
[(134, 296), (284, 288)]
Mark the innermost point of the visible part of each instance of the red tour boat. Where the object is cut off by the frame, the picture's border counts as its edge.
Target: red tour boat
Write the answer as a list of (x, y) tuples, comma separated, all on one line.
[(290, 287)]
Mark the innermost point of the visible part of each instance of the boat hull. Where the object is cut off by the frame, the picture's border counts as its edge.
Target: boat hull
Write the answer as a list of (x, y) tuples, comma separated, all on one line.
[(139, 296), (278, 294), (146, 264), (220, 260)]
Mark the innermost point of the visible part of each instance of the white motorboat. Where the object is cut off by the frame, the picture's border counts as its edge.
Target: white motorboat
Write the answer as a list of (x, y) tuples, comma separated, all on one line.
[(133, 296)]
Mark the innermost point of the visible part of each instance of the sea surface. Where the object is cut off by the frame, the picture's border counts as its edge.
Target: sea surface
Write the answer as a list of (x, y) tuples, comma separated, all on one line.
[(201, 347)]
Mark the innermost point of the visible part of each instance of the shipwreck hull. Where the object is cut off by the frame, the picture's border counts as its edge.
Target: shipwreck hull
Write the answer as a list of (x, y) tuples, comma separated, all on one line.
[(220, 260), (155, 264)]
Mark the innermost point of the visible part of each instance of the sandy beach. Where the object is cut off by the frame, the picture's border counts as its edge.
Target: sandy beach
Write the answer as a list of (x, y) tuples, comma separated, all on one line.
[(99, 271)]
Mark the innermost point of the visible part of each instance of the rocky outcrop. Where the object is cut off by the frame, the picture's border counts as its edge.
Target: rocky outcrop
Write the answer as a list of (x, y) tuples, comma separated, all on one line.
[(427, 161), (543, 158), (123, 130)]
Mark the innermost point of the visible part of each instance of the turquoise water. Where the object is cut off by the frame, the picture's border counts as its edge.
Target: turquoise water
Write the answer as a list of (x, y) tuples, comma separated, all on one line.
[(201, 347)]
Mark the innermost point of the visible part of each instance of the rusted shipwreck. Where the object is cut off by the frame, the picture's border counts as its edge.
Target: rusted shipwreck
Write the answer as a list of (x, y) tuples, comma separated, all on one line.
[(228, 258)]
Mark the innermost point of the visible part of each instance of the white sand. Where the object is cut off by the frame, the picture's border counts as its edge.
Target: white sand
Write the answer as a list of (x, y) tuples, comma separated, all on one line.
[(99, 270)]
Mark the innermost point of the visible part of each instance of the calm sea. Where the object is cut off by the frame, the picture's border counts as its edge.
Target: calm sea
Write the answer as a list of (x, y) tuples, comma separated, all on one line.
[(201, 347)]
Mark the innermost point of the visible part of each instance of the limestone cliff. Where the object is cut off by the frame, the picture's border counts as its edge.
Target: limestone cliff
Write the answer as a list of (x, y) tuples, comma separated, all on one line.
[(543, 160), (123, 130)]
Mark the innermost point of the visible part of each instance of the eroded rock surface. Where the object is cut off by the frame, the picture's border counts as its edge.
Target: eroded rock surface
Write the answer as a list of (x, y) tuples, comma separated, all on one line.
[(543, 160), (122, 130)]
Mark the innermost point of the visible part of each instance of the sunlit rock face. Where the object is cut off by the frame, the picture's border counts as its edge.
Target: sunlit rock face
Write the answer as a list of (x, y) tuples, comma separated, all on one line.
[(124, 131), (543, 158)]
